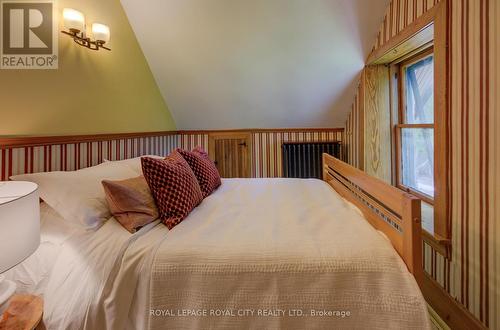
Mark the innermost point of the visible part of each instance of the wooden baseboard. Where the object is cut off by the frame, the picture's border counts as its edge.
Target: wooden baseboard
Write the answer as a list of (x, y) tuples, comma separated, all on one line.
[(450, 311), (436, 322)]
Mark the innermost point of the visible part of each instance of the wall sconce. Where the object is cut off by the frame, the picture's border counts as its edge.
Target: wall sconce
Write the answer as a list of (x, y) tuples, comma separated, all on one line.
[(74, 21)]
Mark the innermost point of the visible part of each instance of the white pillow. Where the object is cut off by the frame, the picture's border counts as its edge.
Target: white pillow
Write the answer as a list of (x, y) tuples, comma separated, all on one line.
[(78, 196), (133, 163)]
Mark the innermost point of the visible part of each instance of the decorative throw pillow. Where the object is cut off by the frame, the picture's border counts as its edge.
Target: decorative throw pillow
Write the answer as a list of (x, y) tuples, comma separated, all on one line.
[(174, 187), (204, 168), (131, 203)]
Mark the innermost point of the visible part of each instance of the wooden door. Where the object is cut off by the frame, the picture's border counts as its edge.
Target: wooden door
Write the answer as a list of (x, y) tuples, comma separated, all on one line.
[(231, 153)]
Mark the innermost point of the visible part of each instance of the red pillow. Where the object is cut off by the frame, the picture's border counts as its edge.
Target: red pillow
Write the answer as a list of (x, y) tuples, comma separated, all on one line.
[(174, 187), (204, 168)]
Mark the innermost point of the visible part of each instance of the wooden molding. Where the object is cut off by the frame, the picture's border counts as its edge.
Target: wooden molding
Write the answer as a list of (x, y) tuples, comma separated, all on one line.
[(451, 312), (440, 244), (442, 225), (361, 123), (34, 141), (394, 96), (413, 36), (262, 130), (436, 322)]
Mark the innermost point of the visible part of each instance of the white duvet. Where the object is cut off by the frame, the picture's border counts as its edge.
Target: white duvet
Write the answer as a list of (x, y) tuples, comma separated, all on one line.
[(258, 253)]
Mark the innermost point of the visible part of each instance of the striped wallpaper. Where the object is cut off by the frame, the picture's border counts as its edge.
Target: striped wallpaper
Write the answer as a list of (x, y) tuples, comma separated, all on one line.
[(265, 151), (74, 156), (400, 14), (266, 146), (472, 275), (190, 141)]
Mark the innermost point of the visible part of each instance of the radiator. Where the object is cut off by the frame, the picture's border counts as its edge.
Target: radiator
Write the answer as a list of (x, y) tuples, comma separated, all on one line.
[(304, 159)]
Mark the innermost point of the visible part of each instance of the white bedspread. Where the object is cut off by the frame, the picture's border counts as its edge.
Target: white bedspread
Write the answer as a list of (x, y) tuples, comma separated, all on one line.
[(281, 248), (257, 254)]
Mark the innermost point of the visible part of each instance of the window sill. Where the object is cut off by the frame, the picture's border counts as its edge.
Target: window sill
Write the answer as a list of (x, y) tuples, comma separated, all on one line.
[(440, 244)]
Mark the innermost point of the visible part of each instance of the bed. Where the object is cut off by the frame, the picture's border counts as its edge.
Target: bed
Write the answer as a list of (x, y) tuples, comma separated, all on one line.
[(342, 252)]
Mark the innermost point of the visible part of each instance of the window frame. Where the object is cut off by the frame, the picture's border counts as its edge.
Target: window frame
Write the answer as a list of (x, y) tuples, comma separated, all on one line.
[(429, 29), (401, 122)]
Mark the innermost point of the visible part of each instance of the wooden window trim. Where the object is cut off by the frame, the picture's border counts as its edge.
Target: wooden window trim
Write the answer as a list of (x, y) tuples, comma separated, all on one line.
[(415, 35), (403, 124), (428, 29), (442, 224), (401, 66), (415, 126), (423, 197)]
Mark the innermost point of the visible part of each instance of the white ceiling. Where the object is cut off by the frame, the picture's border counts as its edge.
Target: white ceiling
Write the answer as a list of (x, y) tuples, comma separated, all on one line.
[(256, 63)]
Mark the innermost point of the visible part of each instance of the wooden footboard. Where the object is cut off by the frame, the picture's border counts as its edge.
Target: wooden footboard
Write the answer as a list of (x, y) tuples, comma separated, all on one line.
[(389, 209)]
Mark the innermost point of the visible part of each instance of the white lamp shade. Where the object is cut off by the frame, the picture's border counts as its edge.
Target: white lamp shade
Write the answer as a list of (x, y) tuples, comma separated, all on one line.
[(100, 32), (19, 222), (73, 19)]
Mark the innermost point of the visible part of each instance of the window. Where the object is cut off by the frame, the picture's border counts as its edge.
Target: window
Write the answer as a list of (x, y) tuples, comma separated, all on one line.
[(419, 104), (415, 128)]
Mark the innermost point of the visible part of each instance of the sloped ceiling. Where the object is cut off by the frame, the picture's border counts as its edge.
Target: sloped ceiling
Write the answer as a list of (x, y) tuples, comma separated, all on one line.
[(256, 63)]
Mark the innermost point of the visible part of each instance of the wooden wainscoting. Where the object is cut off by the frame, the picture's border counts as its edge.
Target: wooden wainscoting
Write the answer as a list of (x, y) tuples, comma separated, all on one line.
[(30, 154), (23, 155)]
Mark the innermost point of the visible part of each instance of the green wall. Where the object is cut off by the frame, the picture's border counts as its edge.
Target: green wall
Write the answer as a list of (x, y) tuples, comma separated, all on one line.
[(91, 92)]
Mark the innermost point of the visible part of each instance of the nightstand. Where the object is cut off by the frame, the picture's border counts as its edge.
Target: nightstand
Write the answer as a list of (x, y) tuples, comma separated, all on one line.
[(24, 312)]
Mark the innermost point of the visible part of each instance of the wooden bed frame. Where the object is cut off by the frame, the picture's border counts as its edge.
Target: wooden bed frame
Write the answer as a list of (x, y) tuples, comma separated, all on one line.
[(389, 209)]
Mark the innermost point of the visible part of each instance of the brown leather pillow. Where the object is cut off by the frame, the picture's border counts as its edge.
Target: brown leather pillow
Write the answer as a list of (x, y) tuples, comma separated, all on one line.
[(131, 202)]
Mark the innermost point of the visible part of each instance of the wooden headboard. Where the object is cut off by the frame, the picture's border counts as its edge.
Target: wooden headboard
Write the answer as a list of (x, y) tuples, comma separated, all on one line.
[(389, 209)]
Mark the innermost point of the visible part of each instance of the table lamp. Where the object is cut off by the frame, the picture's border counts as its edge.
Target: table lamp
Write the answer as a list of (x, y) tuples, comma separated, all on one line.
[(19, 228)]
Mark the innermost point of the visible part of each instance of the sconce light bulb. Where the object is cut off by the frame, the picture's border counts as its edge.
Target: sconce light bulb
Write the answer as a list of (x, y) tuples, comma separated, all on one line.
[(74, 20), (100, 32)]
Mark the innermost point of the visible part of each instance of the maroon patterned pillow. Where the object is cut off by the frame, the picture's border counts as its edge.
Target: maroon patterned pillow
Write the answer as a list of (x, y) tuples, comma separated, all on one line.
[(204, 169), (174, 187)]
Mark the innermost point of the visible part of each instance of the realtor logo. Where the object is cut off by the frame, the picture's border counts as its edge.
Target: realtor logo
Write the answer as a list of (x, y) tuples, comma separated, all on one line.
[(28, 35)]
